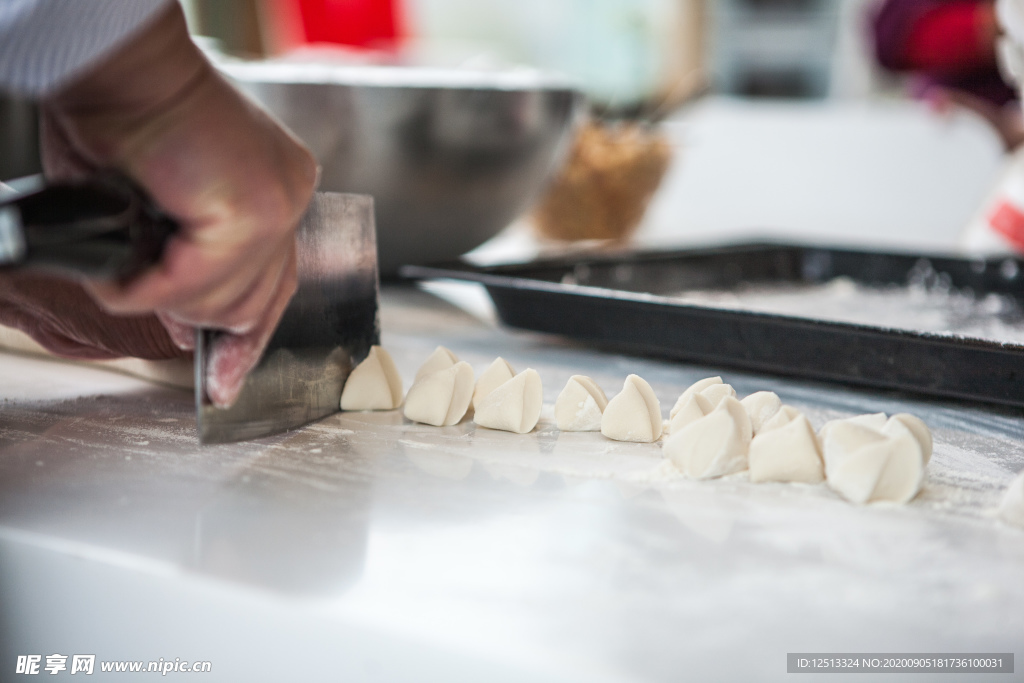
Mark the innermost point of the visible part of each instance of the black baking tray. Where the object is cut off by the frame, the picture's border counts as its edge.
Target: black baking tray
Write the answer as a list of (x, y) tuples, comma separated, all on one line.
[(621, 301)]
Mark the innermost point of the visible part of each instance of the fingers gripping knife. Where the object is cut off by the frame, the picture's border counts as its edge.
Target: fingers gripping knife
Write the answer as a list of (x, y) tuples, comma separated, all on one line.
[(107, 228), (328, 327)]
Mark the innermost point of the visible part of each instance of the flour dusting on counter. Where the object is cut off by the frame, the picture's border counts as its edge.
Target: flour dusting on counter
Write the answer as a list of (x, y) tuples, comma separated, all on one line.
[(959, 481), (935, 308), (510, 547)]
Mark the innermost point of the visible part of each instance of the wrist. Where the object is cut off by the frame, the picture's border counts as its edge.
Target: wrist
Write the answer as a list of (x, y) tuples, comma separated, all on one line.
[(148, 73)]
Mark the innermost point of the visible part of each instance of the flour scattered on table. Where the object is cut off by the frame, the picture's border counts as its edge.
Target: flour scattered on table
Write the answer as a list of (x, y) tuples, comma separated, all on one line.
[(927, 303), (1012, 508)]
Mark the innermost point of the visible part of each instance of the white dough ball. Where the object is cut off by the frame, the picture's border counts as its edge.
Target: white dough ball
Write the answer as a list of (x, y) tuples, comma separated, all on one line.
[(580, 406), (440, 359), (1011, 510), (493, 377), (787, 453), (715, 445), (514, 406), (694, 388), (441, 398), (634, 414), (374, 384), (761, 406), (696, 407)]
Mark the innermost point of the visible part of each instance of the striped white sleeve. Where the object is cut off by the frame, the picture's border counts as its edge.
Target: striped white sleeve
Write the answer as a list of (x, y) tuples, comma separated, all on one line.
[(46, 43)]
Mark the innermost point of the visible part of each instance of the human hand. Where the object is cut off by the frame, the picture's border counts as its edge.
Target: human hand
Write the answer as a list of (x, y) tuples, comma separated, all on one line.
[(64, 319), (235, 180)]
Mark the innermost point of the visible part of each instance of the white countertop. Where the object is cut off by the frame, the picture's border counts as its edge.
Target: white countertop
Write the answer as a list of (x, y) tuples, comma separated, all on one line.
[(368, 548)]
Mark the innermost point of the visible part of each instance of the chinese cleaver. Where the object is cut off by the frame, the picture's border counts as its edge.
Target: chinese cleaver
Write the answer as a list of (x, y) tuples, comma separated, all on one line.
[(106, 227)]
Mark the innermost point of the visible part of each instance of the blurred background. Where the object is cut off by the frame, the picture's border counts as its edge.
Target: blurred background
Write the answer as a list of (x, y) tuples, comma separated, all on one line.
[(877, 122)]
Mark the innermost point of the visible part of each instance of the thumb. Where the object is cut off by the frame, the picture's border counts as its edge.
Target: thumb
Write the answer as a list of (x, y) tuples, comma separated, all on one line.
[(231, 357)]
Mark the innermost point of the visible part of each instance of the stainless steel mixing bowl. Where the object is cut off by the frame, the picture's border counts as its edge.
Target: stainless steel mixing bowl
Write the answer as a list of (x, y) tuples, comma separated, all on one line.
[(450, 156)]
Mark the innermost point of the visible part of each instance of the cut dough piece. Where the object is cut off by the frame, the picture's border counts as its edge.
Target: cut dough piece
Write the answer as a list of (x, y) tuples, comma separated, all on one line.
[(514, 406), (716, 392), (917, 427), (1011, 510), (761, 406), (441, 398), (715, 445), (864, 469), (696, 407), (580, 406), (783, 416), (440, 359), (843, 437), (873, 420), (493, 377), (695, 388), (903, 474), (867, 428), (787, 453), (374, 384), (634, 414)]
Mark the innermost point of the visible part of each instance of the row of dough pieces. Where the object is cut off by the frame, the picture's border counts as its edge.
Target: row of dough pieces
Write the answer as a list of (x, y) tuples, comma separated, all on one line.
[(710, 433)]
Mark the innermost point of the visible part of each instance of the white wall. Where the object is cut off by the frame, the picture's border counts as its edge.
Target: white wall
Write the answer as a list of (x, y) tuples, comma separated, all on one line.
[(619, 50)]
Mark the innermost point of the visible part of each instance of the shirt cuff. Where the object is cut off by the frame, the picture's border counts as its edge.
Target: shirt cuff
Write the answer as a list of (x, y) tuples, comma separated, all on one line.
[(44, 44)]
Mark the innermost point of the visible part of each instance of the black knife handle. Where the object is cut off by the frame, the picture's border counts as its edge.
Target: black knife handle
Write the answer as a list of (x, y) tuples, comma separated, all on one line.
[(105, 227)]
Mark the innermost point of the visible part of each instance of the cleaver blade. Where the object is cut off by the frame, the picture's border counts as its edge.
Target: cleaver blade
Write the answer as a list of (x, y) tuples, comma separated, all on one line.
[(329, 326)]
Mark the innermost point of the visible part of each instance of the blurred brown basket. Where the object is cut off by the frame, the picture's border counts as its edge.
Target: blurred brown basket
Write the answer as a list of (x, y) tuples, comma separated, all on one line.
[(602, 192)]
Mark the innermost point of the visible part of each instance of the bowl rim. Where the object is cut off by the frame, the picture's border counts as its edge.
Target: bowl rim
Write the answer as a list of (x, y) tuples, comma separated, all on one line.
[(320, 73)]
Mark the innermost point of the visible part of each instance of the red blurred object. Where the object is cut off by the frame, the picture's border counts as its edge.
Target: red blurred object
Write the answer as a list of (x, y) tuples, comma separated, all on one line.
[(1008, 221), (952, 38), (370, 24)]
